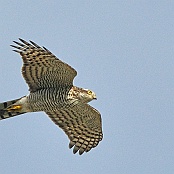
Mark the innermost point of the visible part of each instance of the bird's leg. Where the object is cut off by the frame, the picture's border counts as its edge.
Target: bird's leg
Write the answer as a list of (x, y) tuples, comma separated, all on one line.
[(14, 108)]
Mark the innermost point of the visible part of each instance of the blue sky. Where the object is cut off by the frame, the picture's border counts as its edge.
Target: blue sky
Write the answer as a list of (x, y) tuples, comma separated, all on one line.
[(122, 50)]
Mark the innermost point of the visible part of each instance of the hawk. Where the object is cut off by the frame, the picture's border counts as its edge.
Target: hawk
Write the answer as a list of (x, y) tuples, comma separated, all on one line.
[(51, 89)]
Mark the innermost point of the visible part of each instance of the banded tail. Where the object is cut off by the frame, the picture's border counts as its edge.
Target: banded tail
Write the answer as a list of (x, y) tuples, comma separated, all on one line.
[(8, 109)]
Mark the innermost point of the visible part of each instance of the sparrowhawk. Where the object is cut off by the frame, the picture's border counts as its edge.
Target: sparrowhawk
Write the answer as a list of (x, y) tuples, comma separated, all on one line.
[(51, 89)]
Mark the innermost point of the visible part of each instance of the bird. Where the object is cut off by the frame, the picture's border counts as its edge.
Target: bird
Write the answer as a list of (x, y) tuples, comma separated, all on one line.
[(51, 90)]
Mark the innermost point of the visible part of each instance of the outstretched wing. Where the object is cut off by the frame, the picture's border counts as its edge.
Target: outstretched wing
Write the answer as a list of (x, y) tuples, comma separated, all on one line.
[(41, 69), (82, 124)]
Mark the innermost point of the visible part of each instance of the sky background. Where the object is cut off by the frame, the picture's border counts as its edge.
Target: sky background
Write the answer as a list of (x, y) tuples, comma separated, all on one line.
[(122, 50)]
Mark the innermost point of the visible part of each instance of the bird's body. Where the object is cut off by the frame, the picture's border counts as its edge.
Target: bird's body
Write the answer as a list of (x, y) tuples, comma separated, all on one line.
[(51, 90)]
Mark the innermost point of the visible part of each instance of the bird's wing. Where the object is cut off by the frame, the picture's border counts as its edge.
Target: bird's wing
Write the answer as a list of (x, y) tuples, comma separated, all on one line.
[(41, 69), (82, 124)]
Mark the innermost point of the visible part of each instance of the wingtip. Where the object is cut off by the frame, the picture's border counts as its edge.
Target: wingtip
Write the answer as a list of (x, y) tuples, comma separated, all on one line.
[(17, 51), (21, 39), (71, 144), (75, 149), (81, 151), (25, 42), (34, 44), (15, 42)]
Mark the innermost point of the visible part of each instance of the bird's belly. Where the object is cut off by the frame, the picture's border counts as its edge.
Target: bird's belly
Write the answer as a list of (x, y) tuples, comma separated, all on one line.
[(39, 102)]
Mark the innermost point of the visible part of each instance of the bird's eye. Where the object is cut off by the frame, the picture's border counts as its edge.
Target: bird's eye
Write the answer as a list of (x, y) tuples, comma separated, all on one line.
[(89, 92)]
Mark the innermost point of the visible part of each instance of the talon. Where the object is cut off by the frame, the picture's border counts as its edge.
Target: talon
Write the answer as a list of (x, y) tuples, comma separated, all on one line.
[(14, 107)]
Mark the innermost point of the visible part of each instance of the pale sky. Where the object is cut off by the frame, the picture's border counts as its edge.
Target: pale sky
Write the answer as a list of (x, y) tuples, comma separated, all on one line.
[(122, 50)]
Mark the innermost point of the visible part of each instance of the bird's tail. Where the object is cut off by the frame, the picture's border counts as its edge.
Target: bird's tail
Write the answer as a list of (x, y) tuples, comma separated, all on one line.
[(9, 109)]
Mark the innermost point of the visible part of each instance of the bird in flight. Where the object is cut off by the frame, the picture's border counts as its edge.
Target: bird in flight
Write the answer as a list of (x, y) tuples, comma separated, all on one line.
[(51, 89)]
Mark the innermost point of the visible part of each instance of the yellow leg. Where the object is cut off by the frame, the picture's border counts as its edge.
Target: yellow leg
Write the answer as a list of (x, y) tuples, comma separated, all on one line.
[(14, 108)]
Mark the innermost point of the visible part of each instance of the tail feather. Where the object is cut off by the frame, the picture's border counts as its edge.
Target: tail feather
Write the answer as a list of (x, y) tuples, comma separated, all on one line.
[(7, 114)]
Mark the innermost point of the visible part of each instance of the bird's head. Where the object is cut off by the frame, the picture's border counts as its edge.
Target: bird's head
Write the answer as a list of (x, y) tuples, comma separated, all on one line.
[(84, 95), (88, 95)]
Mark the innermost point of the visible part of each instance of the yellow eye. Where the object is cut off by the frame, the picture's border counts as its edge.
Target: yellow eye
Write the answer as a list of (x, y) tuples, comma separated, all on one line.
[(89, 92)]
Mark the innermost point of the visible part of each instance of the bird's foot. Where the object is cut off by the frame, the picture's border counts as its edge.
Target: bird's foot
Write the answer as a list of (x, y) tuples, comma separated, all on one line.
[(14, 108)]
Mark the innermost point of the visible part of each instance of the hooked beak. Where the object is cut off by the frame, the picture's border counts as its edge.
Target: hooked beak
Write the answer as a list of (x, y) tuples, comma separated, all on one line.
[(95, 98)]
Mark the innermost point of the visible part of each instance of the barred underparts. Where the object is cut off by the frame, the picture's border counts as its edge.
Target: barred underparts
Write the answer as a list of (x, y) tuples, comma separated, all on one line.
[(51, 89)]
